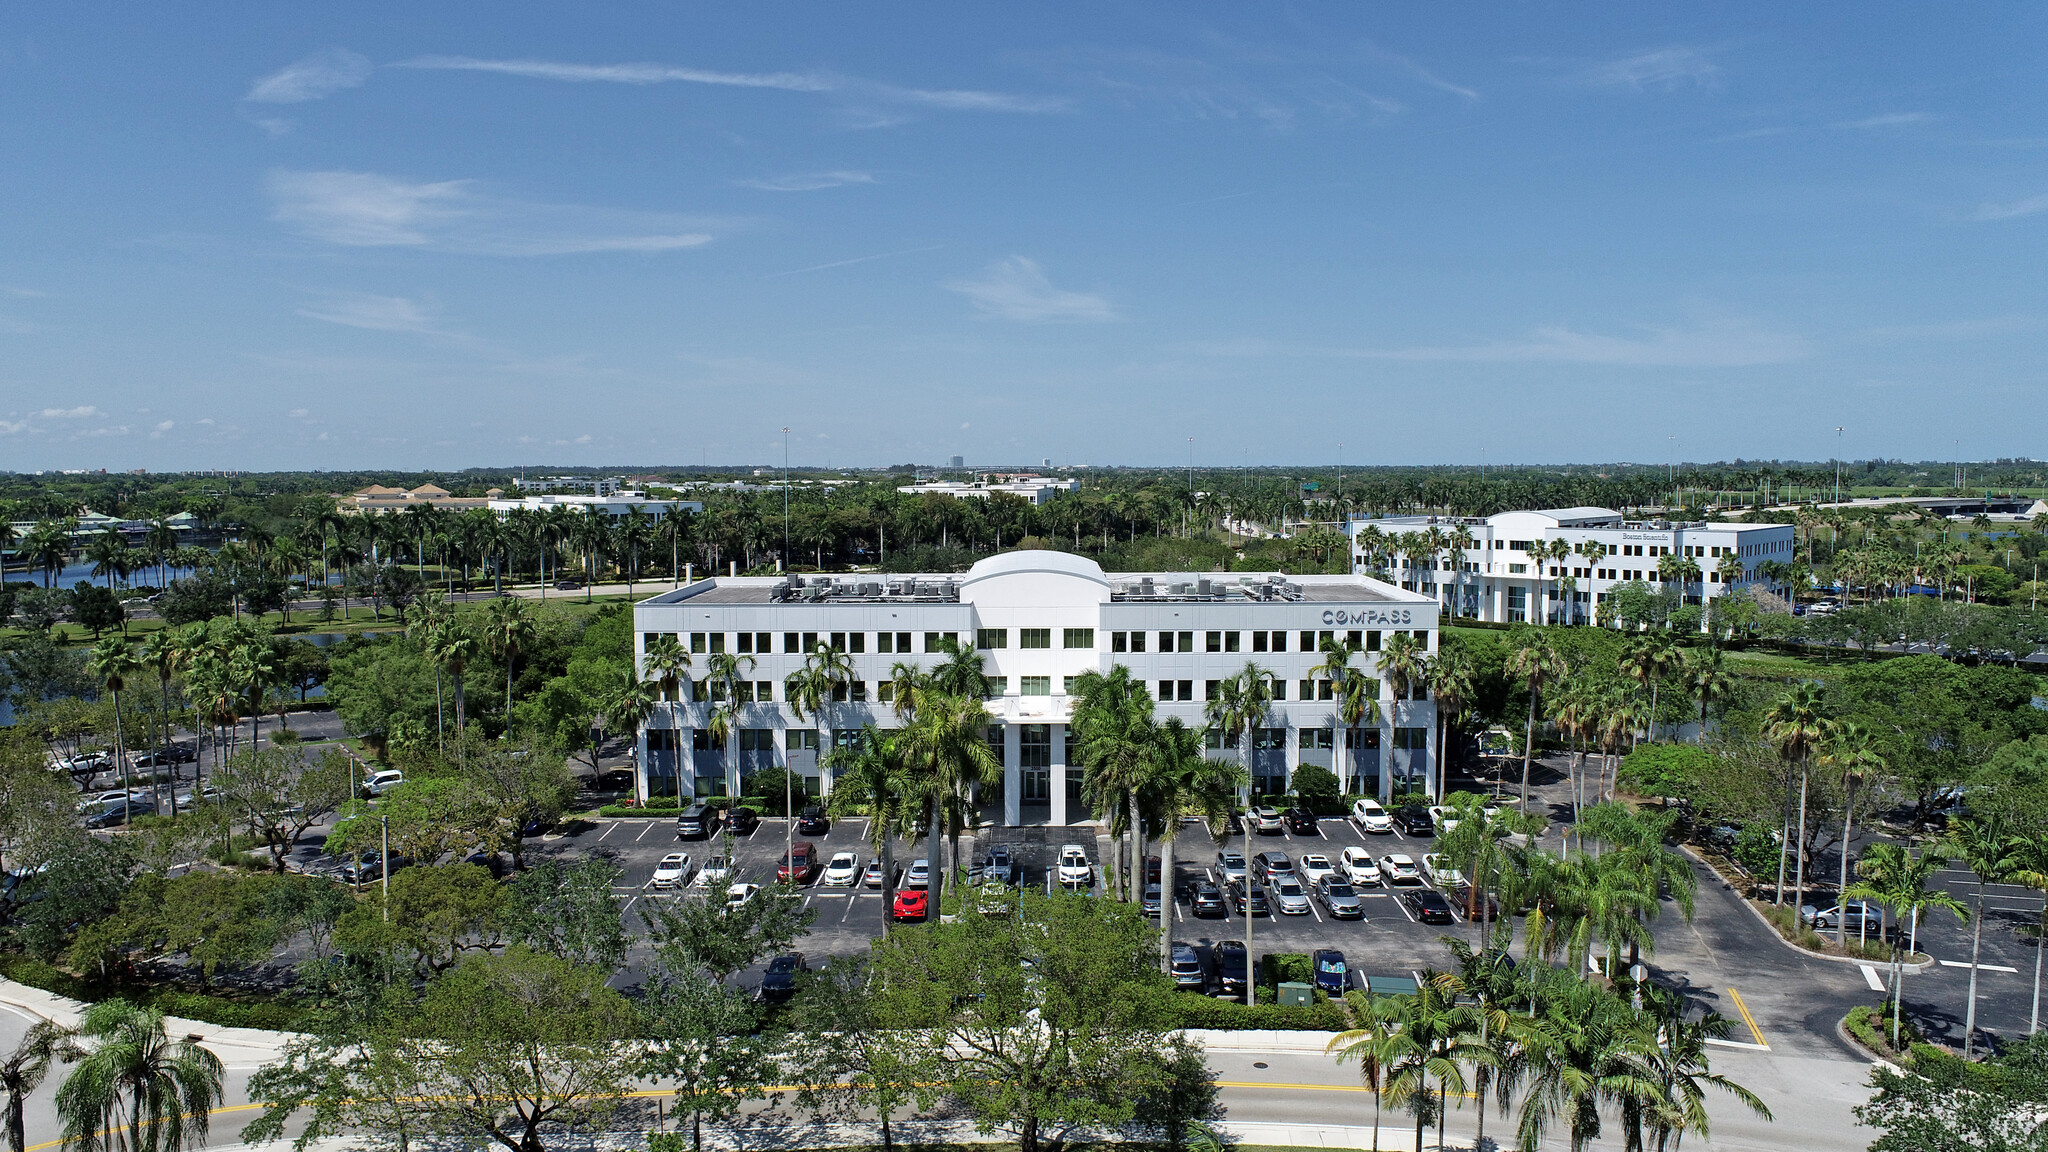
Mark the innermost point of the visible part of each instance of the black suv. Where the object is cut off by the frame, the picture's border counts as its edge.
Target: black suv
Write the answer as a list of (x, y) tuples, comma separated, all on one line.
[(778, 983), (1301, 821), (1205, 900), (697, 822), (741, 820), (1414, 820), (1231, 966), (812, 822), (1258, 900)]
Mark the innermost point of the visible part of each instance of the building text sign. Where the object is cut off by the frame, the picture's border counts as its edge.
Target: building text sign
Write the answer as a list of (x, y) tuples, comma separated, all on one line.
[(1392, 617)]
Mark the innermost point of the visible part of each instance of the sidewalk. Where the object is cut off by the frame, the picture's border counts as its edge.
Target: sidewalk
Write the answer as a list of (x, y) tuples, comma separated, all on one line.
[(235, 1046)]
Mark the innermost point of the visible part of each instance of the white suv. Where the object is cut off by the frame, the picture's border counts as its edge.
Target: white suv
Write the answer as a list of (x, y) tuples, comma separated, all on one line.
[(1074, 869), (1371, 817)]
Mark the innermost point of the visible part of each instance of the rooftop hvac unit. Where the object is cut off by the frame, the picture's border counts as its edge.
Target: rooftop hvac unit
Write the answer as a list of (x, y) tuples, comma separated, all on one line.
[(1145, 586)]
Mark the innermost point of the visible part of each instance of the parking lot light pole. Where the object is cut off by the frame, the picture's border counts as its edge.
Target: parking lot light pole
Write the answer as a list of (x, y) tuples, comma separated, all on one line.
[(384, 867)]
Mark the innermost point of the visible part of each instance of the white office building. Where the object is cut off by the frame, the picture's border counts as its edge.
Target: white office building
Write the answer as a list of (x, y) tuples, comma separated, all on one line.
[(1024, 486), (616, 504), (1503, 567), (1039, 619)]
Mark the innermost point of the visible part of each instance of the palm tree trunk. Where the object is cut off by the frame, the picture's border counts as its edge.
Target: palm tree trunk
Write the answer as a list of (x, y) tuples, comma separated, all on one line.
[(1976, 943), (1137, 873), (1784, 844), (1842, 921), (1799, 852), (1528, 747), (2034, 1014), (1166, 894)]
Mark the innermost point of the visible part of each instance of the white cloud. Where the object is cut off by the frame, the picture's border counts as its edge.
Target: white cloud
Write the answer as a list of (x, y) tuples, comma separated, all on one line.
[(116, 430), (364, 209), (12, 427), (297, 413), (1016, 289), (1717, 343), (808, 181), (967, 100), (27, 292), (1889, 120), (376, 313), (2014, 209), (1663, 68), (317, 76), (583, 439), (162, 426), (623, 73), (83, 412)]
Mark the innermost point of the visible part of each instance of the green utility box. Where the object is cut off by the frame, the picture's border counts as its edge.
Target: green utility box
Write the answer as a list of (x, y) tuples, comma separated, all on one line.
[(1294, 994)]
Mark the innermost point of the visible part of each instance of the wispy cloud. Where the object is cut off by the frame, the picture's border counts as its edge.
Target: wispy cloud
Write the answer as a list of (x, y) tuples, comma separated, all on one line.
[(624, 73), (1017, 289), (364, 209), (807, 181), (1715, 344), (855, 260), (316, 77), (376, 313), (1274, 90), (969, 100), (1674, 67), (2013, 209), (23, 292), (162, 428), (82, 412), (13, 427), (1889, 120)]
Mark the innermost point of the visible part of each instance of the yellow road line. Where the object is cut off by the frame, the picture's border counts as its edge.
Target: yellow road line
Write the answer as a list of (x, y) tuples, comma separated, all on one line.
[(1746, 1017)]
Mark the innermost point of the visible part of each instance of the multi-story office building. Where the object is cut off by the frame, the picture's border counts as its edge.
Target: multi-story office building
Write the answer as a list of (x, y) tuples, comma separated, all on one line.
[(1039, 619), (1507, 567)]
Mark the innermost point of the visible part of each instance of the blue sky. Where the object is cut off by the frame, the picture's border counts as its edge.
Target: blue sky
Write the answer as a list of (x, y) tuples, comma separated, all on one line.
[(438, 235)]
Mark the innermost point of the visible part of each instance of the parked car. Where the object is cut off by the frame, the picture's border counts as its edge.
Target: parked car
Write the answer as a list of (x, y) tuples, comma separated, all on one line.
[(1267, 866), (204, 794), (1229, 866), (366, 866), (1855, 916), (1074, 869), (1399, 871), (995, 899), (778, 983), (1473, 905), (1301, 822), (800, 867), (717, 870), (742, 819), (1290, 897), (1438, 870), (842, 871), (1414, 820), (1332, 976), (1192, 971), (999, 868), (1359, 867), (1151, 869), (381, 782), (673, 871), (812, 822), (911, 904), (1205, 900), (1314, 866), (918, 876), (120, 812), (568, 585), (1151, 902), (1238, 899), (871, 876), (99, 801), (1370, 817), (738, 895), (1232, 966), (697, 822), (1427, 905), (1267, 822), (1339, 899)]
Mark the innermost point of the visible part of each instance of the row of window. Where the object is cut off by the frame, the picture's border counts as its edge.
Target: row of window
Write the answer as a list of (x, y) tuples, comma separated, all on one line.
[(992, 638), (1170, 691), (988, 639), (1263, 641), (802, 643), (1034, 741)]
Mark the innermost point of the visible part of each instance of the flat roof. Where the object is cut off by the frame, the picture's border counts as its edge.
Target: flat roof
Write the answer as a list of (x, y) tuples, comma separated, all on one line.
[(937, 588)]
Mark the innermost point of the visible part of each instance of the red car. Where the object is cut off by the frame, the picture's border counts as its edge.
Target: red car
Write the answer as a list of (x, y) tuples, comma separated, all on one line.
[(801, 866), (911, 904)]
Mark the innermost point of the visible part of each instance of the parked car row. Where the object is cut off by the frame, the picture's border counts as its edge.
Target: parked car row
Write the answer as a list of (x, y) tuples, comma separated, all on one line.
[(700, 821), (1219, 968)]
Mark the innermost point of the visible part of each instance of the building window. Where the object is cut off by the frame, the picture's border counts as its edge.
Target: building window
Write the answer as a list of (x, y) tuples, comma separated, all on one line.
[(1166, 641), (1214, 642), (1411, 739), (697, 642), (885, 691), (991, 637), (1517, 569), (1269, 739), (1034, 745), (1034, 686), (764, 691), (1137, 641), (840, 693), (860, 691), (1308, 642), (1034, 637), (744, 643), (892, 642), (1313, 738), (1372, 641), (1067, 685), (791, 642), (932, 639), (801, 739), (1187, 641), (717, 642), (1119, 641), (1326, 690), (1078, 638), (1258, 641), (998, 686), (1230, 641), (1187, 689), (757, 739), (1209, 689), (1279, 688), (1165, 690), (1305, 690)]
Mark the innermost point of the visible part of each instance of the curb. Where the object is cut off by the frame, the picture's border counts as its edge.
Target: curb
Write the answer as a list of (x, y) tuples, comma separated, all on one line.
[(1855, 1045), (1915, 969)]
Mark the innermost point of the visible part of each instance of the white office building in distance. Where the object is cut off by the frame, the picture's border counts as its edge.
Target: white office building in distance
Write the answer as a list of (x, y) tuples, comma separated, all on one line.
[(1504, 568), (1040, 619), (1023, 485)]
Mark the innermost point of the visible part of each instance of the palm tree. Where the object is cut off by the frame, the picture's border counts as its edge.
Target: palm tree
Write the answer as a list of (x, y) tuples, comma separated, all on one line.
[(1533, 663), (1904, 883), (1489, 977), (451, 647), (1441, 1030), (1676, 1066), (723, 673), (1582, 1047), (1112, 727), (1404, 665), (959, 674), (2030, 867), (111, 663), (1183, 781), (1796, 725), (1241, 703), (810, 688), (1708, 679), (508, 629), (1852, 749), (1984, 846), (872, 781), (48, 546), (1355, 697), (1453, 680), (1647, 661), (136, 1089), (1378, 1044), (22, 1071), (627, 703), (946, 754)]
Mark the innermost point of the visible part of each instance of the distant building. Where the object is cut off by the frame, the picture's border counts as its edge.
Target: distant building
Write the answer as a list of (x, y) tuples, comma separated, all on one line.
[(1500, 578), (959, 462), (619, 502), (377, 500), (1024, 485), (589, 485)]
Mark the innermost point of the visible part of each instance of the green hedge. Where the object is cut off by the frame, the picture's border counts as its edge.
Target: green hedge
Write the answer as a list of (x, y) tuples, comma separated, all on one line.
[(630, 810), (277, 1015), (1229, 1015), (1872, 1028), (1280, 967)]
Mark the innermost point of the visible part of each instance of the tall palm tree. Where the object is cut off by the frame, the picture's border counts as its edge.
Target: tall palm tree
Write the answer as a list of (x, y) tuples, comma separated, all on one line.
[(508, 630), (1378, 1044), (627, 703), (1442, 1030), (872, 781), (2030, 867), (1183, 782), (1489, 978), (1453, 680), (810, 688), (723, 673), (111, 663), (1851, 749), (1676, 1066), (1647, 661), (946, 753), (1985, 847), (48, 546), (1534, 663), (1582, 1046), (451, 646), (1241, 703), (1904, 883), (1404, 664), (960, 672), (1796, 723), (23, 1070), (1355, 696), (135, 1089), (1113, 735)]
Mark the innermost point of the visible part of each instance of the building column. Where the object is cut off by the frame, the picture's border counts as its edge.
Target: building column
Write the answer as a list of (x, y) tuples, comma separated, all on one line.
[(1434, 768), (1293, 752), (1387, 707), (1057, 794), (640, 782), (1013, 777)]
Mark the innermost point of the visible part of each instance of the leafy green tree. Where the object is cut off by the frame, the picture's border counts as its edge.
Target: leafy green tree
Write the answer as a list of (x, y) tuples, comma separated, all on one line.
[(278, 795), (568, 909), (358, 1070), (511, 788), (708, 935), (135, 1088), (217, 920), (429, 818), (1944, 1104), (1114, 736), (72, 879), (853, 1065), (437, 914), (706, 1038), (380, 686)]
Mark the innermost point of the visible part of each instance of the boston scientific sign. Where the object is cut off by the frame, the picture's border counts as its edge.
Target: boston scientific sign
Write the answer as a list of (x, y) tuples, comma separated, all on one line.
[(1390, 617)]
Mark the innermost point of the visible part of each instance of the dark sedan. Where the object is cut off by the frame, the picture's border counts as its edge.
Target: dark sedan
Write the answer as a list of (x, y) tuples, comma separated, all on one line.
[(1414, 820), (1427, 905), (120, 812), (1301, 822), (1205, 900), (1475, 905), (778, 983), (812, 822), (1258, 900)]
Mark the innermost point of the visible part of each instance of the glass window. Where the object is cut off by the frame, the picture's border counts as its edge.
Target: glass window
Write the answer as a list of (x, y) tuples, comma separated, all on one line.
[(1166, 689), (745, 642), (1305, 690), (858, 642), (717, 642), (802, 739), (1372, 641), (810, 642), (1258, 641), (1034, 745), (1209, 688), (839, 693), (1279, 641), (903, 642), (1119, 642), (1034, 685), (1137, 641), (1230, 641), (931, 640), (1187, 689), (1279, 688), (1166, 641), (998, 685), (1215, 642), (839, 641), (1067, 685), (885, 642), (1034, 637), (1308, 642), (885, 691), (1187, 641), (764, 691), (697, 642), (860, 691), (1078, 638), (991, 637), (791, 642)]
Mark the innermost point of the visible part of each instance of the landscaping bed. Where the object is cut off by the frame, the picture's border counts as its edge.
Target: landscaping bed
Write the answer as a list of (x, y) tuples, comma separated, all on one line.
[(253, 1011), (1872, 1028)]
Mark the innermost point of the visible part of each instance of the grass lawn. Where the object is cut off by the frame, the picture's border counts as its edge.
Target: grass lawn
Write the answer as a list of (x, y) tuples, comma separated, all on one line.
[(359, 618)]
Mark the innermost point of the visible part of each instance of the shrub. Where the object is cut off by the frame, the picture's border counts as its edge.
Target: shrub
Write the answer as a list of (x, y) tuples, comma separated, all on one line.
[(1281, 967), (276, 1015), (1664, 769), (1228, 1015), (630, 810), (1872, 1028)]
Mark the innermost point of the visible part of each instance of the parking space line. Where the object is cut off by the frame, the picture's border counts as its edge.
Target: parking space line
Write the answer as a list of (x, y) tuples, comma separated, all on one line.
[(1403, 906), (644, 832), (1981, 967), (1870, 977), (609, 829)]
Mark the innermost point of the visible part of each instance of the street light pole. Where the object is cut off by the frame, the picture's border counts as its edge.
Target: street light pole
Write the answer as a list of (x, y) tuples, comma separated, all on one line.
[(1838, 463), (787, 561), (384, 868)]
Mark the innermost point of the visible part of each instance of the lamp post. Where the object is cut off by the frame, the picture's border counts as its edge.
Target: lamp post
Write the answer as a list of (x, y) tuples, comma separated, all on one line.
[(787, 562), (1838, 463), (384, 868)]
